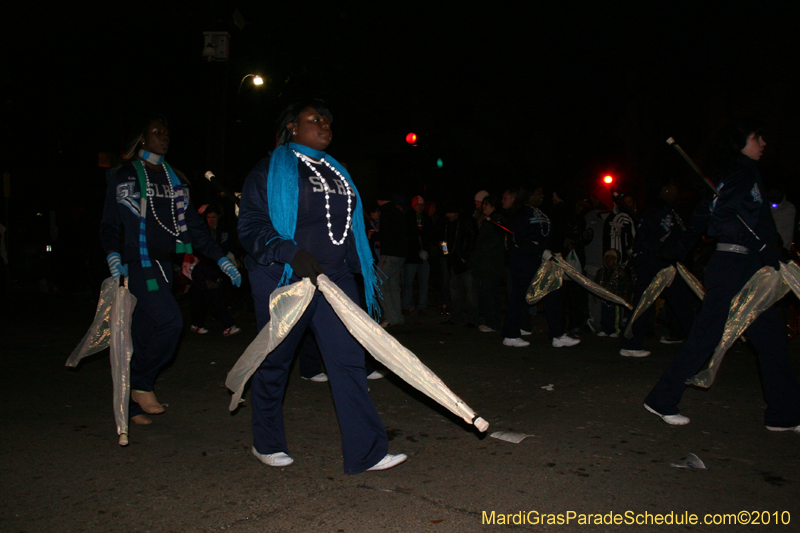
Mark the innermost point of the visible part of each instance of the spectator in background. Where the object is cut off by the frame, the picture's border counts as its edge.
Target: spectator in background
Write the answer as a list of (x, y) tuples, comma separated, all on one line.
[(614, 278), (208, 281), (600, 199), (478, 213), (393, 241), (420, 242), (460, 235), (488, 264)]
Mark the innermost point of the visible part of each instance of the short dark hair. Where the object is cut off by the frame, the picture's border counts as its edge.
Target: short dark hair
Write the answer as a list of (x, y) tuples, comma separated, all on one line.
[(739, 129), (291, 113)]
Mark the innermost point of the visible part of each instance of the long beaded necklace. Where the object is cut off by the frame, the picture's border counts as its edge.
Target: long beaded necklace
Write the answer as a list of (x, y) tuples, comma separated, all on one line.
[(176, 232), (542, 219), (327, 189)]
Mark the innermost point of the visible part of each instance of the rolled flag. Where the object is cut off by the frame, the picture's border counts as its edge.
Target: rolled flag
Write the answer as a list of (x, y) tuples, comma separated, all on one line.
[(111, 328)]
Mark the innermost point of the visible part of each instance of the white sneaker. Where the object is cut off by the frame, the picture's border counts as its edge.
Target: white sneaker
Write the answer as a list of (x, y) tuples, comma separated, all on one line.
[(273, 459), (672, 420), (614, 335), (565, 341), (200, 330), (602, 334), (322, 377), (376, 374), (388, 462), (523, 333), (485, 329), (233, 330), (796, 429), (634, 353), (516, 343)]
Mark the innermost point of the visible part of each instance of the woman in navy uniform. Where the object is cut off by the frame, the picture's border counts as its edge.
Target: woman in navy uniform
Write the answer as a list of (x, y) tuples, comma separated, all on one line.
[(148, 229), (301, 216), (740, 253)]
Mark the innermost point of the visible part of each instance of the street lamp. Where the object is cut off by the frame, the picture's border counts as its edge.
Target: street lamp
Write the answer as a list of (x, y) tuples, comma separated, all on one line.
[(257, 80)]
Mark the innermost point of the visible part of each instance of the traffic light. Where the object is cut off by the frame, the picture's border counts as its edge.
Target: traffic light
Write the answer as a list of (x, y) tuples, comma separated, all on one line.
[(608, 179), (411, 138)]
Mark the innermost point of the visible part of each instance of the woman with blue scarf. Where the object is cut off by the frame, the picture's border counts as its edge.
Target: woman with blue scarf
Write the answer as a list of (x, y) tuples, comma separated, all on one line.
[(148, 218), (300, 216)]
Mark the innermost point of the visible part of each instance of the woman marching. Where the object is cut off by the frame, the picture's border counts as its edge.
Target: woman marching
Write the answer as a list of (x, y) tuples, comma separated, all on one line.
[(300, 216), (739, 254), (147, 218)]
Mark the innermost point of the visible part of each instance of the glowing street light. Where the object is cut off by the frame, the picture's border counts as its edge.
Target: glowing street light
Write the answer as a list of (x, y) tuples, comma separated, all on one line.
[(257, 81)]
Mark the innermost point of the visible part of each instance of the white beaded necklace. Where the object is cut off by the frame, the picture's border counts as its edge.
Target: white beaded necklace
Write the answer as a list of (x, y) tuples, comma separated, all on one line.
[(327, 189), (176, 232)]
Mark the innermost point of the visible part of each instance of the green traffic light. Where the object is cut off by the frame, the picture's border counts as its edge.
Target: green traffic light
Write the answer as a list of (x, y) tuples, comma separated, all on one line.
[(439, 163)]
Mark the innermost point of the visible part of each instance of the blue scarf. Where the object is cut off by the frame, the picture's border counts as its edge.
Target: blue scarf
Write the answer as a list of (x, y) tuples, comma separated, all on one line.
[(283, 191)]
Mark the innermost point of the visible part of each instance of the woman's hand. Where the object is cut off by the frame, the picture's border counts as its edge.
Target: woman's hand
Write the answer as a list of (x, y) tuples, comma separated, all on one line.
[(231, 271), (115, 265), (305, 265)]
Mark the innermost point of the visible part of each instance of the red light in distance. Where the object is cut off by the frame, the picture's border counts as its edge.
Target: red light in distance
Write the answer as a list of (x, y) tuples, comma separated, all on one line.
[(411, 138)]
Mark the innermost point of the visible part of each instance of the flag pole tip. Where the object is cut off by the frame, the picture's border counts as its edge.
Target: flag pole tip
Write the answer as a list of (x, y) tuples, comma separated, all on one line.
[(670, 141), (481, 424)]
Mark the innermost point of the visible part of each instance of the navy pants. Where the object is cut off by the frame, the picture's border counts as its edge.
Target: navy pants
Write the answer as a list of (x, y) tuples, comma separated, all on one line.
[(364, 439), (726, 274), (678, 295), (156, 327)]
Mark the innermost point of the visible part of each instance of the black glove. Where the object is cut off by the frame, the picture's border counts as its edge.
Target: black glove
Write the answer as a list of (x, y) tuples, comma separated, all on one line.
[(305, 265), (770, 256)]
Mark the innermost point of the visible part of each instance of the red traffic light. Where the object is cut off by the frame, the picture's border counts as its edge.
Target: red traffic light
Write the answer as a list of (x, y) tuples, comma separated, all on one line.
[(411, 138), (608, 180)]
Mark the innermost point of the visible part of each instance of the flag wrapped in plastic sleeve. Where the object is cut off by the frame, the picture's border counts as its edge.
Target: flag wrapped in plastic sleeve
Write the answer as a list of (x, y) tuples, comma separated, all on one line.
[(394, 355), (374, 338), (111, 328), (286, 305), (766, 287), (661, 281), (549, 278)]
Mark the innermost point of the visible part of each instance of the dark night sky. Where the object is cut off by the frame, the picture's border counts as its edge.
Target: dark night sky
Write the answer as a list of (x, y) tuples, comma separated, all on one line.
[(503, 94)]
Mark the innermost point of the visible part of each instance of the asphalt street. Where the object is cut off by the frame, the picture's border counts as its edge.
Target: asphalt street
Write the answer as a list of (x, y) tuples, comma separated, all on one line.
[(593, 454)]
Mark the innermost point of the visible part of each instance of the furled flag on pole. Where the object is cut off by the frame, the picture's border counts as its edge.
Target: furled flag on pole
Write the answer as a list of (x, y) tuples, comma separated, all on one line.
[(111, 328)]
